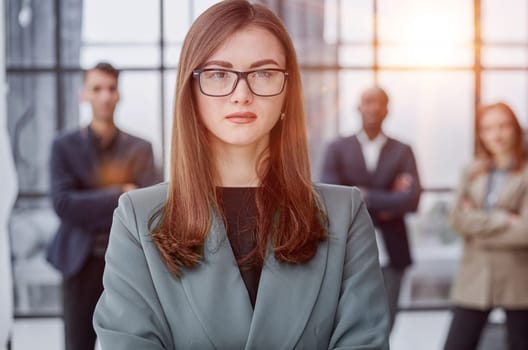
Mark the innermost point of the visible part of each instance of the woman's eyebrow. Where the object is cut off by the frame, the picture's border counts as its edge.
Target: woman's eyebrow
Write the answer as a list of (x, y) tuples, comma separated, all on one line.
[(226, 64), (263, 62)]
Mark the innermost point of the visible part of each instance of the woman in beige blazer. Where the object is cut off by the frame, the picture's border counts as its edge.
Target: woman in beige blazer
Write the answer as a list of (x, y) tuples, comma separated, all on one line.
[(240, 250), (491, 214)]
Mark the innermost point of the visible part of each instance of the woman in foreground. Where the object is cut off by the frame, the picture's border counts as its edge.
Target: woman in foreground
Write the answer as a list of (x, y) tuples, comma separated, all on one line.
[(240, 250)]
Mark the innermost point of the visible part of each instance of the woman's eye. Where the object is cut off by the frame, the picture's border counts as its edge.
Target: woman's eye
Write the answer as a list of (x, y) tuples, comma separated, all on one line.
[(220, 75), (263, 73), (216, 75)]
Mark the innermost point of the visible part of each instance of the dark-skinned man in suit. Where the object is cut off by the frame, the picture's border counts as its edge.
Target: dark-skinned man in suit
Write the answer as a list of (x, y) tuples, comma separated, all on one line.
[(385, 171), (89, 169)]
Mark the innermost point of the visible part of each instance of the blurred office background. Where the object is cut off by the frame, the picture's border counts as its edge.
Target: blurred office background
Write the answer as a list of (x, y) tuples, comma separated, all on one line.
[(437, 60)]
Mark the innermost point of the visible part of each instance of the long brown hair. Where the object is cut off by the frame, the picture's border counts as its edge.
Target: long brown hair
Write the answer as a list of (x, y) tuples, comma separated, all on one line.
[(483, 154), (290, 218)]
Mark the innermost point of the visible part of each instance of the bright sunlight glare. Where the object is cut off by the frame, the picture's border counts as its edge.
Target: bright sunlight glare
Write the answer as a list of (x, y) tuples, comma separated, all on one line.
[(431, 40)]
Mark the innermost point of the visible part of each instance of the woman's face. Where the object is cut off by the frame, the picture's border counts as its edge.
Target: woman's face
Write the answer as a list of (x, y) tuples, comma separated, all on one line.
[(242, 119), (497, 132)]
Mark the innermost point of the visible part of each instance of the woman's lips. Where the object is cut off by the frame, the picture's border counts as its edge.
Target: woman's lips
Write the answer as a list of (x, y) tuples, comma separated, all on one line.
[(242, 118)]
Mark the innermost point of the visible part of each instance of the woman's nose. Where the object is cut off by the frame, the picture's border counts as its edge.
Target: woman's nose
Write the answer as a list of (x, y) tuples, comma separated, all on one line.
[(242, 93)]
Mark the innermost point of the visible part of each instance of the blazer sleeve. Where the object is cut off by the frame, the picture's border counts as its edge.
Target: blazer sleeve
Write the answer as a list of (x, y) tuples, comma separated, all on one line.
[(362, 316), (474, 222), (398, 203), (331, 169), (145, 171), (89, 208), (513, 236), (129, 314)]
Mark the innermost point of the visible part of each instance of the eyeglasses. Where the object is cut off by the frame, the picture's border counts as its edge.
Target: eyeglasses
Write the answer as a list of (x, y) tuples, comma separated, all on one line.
[(222, 82)]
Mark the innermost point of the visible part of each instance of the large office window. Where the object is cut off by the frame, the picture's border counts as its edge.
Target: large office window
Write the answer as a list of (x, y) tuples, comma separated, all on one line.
[(437, 60)]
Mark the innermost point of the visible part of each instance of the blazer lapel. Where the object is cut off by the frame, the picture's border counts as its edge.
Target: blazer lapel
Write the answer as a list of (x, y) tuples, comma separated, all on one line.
[(89, 158), (356, 157), (479, 189), (217, 293), (385, 162), (510, 190), (290, 291)]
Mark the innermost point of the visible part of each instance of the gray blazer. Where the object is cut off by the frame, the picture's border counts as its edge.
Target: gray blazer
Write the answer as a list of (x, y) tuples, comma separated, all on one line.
[(335, 301)]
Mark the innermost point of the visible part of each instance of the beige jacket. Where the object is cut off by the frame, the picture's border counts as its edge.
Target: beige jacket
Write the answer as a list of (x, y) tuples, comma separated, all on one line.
[(493, 269)]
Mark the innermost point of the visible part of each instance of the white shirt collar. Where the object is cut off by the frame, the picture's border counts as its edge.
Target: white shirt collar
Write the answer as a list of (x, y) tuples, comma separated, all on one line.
[(378, 140), (371, 149)]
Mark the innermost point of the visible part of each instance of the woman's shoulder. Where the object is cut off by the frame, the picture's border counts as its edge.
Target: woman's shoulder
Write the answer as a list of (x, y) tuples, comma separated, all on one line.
[(523, 174), (336, 198), (474, 169), (524, 169), (147, 200), (337, 191)]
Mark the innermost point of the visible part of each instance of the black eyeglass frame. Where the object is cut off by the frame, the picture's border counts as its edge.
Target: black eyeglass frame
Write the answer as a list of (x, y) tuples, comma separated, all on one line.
[(240, 75)]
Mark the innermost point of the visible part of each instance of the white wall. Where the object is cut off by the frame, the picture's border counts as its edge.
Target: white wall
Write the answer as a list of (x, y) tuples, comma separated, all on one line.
[(8, 190)]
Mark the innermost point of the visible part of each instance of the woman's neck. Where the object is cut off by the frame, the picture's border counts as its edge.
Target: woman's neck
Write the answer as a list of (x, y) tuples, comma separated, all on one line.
[(237, 166), (503, 161)]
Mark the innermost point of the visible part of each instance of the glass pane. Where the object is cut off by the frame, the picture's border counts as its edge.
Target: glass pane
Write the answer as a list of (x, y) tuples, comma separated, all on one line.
[(138, 111), (430, 228), (425, 56), (71, 32), (331, 15), (435, 249), (504, 21), (199, 6), (315, 52), (426, 109), (351, 84), (172, 55), (356, 55), (31, 120), (170, 91), (493, 56), (37, 285), (426, 32), (71, 89), (121, 56), (30, 33), (128, 21), (306, 25), (510, 87), (357, 18), (320, 99), (426, 21), (176, 20)]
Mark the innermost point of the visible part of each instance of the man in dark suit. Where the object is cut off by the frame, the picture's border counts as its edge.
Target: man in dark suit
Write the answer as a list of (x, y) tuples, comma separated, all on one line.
[(89, 169), (385, 171)]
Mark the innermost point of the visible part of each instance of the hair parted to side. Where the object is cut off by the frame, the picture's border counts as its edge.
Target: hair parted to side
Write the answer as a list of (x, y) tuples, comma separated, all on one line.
[(483, 154), (290, 217), (104, 67)]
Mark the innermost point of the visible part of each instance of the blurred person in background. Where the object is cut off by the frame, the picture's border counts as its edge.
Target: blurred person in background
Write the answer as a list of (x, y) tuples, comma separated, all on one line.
[(490, 212), (385, 171), (89, 169), (240, 250)]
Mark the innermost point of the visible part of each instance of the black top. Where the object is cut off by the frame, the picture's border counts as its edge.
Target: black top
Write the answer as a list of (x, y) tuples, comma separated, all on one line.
[(240, 211)]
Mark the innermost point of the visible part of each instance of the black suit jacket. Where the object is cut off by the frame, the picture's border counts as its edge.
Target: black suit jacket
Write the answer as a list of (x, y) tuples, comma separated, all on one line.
[(344, 165), (84, 206)]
